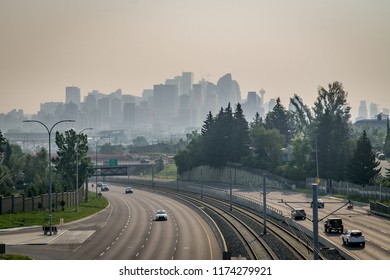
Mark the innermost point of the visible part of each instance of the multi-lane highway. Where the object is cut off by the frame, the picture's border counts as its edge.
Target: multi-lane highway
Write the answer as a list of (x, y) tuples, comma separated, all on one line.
[(127, 230), (375, 229)]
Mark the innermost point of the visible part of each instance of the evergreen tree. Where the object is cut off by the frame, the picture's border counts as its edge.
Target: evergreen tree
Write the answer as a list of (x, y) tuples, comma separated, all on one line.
[(278, 119), (3, 143), (362, 166), (222, 144), (386, 145), (207, 123), (257, 121), (240, 135)]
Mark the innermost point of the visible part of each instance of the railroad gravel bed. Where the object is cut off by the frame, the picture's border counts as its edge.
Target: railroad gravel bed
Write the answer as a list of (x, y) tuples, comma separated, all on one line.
[(235, 246)]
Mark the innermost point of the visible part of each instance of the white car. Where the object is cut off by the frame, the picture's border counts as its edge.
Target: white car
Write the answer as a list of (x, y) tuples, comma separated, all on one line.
[(320, 203), (161, 215), (105, 188), (353, 236)]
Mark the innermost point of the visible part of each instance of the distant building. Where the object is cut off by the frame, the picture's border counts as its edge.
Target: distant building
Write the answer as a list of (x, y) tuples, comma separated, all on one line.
[(164, 106), (271, 104), (374, 110), (129, 115), (72, 95), (184, 112), (362, 113), (197, 101), (228, 91), (251, 106), (187, 81), (49, 107), (147, 94), (116, 115), (379, 122)]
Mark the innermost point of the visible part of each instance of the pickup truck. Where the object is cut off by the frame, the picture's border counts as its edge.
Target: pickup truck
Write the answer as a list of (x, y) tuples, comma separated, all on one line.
[(353, 236)]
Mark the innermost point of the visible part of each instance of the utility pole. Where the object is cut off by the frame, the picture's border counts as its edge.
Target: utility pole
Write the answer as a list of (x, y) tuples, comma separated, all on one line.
[(315, 222), (231, 191), (264, 205)]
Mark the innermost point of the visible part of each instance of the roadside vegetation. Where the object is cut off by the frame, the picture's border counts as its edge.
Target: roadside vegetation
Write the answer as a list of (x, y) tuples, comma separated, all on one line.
[(317, 141), (297, 143), (40, 218), (14, 257)]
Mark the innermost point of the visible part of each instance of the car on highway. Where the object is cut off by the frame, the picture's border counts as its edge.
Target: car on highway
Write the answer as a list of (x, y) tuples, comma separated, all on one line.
[(333, 224), (298, 214), (320, 203), (129, 190), (105, 188), (353, 237), (161, 215)]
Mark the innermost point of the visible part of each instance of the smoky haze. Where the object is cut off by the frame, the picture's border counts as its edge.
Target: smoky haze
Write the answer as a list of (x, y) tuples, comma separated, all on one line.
[(284, 47)]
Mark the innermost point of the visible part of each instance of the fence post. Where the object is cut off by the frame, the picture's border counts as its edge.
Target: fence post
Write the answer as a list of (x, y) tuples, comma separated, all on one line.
[(12, 203)]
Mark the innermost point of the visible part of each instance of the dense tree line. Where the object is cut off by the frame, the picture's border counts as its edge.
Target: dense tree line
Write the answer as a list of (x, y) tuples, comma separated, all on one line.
[(223, 139), (299, 143), (28, 173)]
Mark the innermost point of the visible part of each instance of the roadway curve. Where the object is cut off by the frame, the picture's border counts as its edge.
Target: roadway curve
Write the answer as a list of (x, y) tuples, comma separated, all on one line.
[(127, 230)]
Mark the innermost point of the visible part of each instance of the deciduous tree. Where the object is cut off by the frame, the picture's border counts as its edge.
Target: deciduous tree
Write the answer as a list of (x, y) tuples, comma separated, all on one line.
[(363, 166)]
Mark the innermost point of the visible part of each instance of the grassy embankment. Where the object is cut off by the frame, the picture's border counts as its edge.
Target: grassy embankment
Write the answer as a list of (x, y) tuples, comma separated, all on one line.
[(41, 217)]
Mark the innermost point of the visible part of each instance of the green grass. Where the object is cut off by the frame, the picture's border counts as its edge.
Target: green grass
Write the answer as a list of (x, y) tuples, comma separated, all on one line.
[(14, 257), (169, 172), (39, 218)]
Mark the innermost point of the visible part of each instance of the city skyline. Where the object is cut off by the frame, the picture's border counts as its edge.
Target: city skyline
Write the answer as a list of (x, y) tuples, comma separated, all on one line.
[(371, 109), (285, 48)]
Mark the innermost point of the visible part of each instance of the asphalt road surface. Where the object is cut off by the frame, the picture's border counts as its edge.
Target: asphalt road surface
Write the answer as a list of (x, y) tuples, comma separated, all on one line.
[(376, 229), (125, 230)]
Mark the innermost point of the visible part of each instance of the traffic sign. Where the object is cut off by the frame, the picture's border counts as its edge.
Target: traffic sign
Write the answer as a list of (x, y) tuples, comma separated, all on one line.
[(113, 162)]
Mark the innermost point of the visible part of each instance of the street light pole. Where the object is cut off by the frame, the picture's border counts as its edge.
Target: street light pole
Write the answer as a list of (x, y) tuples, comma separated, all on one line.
[(97, 143), (50, 180), (77, 167), (315, 222)]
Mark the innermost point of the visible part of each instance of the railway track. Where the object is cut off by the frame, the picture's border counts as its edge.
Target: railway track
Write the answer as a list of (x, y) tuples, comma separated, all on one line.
[(247, 225), (242, 229)]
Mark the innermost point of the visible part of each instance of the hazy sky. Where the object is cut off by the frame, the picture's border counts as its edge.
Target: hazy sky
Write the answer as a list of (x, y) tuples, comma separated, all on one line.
[(283, 46)]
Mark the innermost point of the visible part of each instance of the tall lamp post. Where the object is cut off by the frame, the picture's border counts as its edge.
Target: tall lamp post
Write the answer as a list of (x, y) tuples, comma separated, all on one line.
[(50, 180), (77, 167), (96, 162)]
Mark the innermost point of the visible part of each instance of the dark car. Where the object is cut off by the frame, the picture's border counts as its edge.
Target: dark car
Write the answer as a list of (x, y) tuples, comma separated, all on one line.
[(320, 203), (298, 213), (333, 224), (129, 190)]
